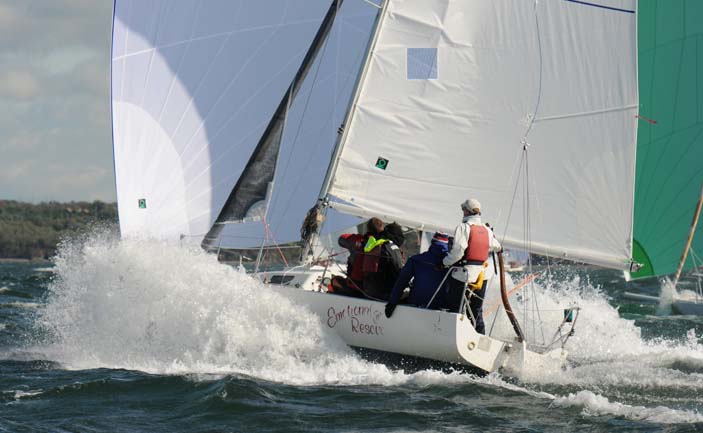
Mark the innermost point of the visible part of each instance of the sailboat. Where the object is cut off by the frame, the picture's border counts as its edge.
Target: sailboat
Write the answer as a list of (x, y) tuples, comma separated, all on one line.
[(529, 106), (669, 181)]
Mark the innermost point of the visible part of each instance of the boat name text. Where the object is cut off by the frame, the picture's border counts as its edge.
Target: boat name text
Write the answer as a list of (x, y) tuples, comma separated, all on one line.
[(362, 319)]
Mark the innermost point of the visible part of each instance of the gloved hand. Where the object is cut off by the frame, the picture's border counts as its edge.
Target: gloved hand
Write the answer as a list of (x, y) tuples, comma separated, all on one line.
[(390, 308)]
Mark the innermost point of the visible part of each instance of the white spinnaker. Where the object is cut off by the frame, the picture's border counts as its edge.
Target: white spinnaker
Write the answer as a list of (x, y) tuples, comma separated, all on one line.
[(194, 84), (452, 123)]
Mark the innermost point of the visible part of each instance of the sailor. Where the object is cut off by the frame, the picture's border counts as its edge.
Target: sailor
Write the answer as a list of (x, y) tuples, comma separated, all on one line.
[(382, 262), (472, 243), (425, 271), (355, 243)]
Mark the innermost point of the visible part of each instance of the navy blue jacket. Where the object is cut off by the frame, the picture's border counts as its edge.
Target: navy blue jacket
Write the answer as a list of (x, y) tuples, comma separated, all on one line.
[(428, 272)]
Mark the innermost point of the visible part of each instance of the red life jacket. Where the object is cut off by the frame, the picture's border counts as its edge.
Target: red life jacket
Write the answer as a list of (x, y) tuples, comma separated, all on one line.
[(372, 254), (479, 244), (355, 244), (357, 270)]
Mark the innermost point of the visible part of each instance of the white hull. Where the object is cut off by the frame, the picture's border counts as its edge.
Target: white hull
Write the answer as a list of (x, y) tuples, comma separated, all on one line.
[(692, 305), (686, 308), (640, 297), (416, 332)]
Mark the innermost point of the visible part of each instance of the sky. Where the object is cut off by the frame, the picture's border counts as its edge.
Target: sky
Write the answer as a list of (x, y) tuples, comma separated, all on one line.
[(55, 136)]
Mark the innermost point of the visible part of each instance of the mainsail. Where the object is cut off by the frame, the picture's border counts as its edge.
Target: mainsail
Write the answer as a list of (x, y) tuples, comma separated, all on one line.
[(464, 98), (670, 136), (194, 85)]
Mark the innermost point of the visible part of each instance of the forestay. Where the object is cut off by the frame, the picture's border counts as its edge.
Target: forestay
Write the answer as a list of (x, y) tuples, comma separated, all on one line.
[(453, 92), (194, 84)]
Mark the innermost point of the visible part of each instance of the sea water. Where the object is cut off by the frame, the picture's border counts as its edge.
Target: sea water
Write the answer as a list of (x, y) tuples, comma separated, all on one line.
[(148, 336)]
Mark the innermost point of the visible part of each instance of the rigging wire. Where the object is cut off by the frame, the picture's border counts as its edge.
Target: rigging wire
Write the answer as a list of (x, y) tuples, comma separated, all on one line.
[(539, 87), (307, 100), (524, 177), (322, 131)]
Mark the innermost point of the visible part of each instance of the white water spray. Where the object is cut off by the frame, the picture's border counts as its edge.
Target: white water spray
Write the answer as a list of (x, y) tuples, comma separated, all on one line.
[(160, 308), (667, 295)]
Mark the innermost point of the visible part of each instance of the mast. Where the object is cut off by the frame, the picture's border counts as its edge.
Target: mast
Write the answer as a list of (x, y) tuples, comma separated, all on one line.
[(315, 217), (694, 223), (254, 182)]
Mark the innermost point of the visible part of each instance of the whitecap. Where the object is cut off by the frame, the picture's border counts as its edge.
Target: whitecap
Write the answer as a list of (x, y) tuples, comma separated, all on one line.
[(20, 304), (596, 405)]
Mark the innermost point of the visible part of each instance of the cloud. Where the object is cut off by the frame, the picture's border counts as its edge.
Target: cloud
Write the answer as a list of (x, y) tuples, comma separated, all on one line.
[(46, 25), (9, 19), (67, 59), (22, 140), (55, 137), (19, 85), (18, 171)]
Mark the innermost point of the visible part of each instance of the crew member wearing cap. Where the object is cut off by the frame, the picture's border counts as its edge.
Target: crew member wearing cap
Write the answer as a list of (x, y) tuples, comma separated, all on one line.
[(472, 243), (425, 270)]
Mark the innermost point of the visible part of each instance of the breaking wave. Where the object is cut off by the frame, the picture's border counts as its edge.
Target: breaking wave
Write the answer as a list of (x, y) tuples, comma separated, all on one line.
[(595, 405), (606, 349)]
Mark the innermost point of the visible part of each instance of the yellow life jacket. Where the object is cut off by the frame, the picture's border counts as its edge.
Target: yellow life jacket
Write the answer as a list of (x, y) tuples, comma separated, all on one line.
[(372, 243), (372, 254), (476, 285)]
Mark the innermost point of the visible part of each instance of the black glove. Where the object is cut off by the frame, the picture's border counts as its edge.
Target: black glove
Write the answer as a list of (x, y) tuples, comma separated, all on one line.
[(390, 308)]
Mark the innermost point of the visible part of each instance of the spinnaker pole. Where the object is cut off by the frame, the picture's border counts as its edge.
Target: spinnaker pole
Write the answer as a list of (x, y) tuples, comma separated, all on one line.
[(691, 232)]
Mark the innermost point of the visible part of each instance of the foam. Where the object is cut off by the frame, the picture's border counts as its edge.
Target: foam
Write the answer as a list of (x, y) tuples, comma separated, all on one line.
[(158, 308), (44, 269), (30, 305), (597, 405), (19, 394), (667, 295), (606, 348)]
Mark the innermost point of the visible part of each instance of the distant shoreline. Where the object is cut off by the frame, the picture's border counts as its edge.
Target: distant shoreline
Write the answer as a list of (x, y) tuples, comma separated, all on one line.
[(32, 231)]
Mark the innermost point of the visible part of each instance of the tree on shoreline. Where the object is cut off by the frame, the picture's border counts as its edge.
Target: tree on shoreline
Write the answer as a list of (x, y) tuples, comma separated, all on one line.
[(32, 231)]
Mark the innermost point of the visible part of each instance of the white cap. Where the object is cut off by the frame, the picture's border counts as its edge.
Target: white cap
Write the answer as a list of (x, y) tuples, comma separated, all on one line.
[(472, 205)]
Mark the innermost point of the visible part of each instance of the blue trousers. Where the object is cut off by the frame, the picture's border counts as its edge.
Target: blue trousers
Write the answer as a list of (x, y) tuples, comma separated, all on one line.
[(454, 292)]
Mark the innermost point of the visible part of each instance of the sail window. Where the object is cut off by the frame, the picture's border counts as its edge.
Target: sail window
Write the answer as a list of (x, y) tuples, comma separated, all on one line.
[(422, 64)]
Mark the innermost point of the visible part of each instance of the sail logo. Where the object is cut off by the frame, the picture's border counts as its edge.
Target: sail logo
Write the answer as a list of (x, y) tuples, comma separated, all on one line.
[(382, 163), (362, 319)]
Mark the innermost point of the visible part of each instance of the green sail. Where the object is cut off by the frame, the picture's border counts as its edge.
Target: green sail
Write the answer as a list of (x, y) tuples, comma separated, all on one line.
[(670, 151)]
